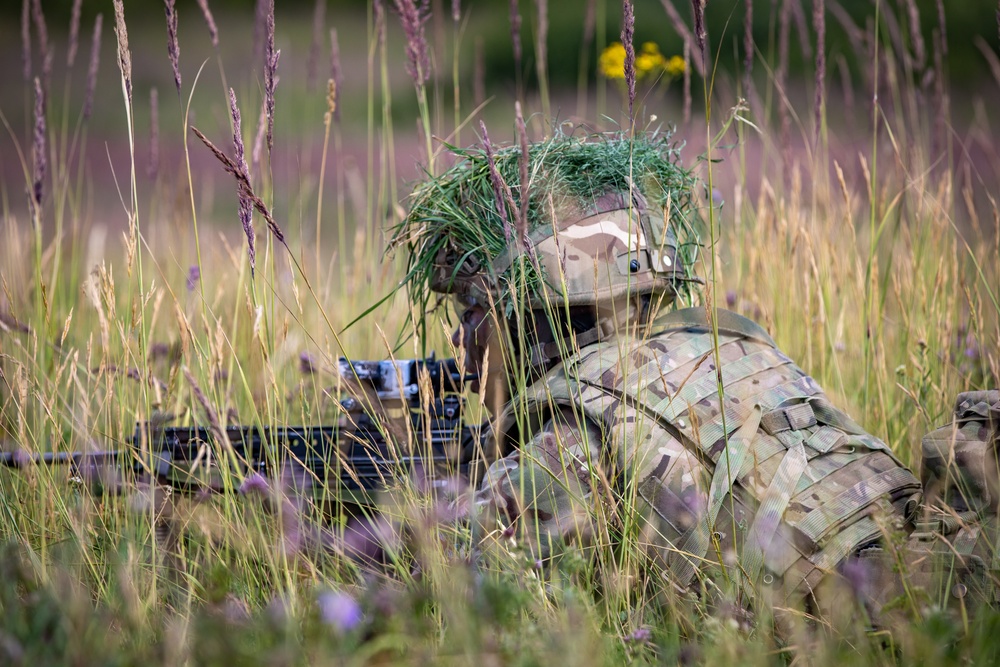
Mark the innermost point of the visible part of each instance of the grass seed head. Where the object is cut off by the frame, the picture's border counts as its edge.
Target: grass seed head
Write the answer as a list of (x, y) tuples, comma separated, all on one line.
[(44, 47), (213, 30), (173, 48), (412, 17), (336, 74), (271, 57), (515, 33), (245, 206), (124, 54), (39, 150), (628, 33), (74, 33)]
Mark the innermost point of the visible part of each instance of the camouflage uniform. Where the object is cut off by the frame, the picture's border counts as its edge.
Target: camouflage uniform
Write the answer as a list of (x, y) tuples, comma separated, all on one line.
[(771, 472), (768, 480), (731, 454)]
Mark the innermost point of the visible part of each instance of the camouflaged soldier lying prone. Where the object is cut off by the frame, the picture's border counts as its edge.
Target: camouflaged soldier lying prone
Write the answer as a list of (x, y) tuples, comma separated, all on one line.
[(620, 400)]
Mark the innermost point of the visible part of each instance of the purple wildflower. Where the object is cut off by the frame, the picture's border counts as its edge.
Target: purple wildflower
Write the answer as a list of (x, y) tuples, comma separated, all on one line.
[(730, 299), (255, 483), (194, 275), (639, 636), (859, 576), (307, 364), (339, 610)]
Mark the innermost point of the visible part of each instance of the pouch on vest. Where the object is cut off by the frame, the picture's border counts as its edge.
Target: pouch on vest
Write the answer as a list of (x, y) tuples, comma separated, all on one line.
[(960, 463)]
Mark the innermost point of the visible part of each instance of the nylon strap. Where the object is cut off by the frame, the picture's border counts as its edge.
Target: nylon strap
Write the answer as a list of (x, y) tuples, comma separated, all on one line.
[(695, 543), (711, 432), (693, 393), (820, 520), (772, 508), (728, 322), (844, 542), (686, 353)]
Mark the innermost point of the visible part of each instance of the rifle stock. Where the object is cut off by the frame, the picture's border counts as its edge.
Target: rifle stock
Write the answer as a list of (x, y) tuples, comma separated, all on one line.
[(398, 418)]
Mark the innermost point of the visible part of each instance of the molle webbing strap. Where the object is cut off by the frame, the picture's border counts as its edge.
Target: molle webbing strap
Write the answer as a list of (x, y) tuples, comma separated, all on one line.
[(772, 508), (695, 545), (846, 541), (855, 499), (709, 433), (684, 354), (728, 322), (543, 354), (698, 390)]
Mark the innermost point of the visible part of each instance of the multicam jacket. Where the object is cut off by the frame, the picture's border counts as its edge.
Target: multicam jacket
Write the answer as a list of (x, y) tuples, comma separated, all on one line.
[(768, 480)]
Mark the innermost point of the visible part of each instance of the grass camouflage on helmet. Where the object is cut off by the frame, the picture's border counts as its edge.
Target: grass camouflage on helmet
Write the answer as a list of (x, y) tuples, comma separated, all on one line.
[(461, 237)]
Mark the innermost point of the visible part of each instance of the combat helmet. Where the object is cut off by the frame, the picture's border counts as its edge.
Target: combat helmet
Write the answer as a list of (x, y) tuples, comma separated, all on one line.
[(598, 216)]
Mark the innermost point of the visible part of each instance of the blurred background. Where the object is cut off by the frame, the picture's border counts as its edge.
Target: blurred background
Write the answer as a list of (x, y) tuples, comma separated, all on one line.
[(945, 51)]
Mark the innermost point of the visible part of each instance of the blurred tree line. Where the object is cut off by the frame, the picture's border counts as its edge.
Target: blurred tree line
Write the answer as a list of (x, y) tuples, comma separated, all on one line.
[(971, 26)]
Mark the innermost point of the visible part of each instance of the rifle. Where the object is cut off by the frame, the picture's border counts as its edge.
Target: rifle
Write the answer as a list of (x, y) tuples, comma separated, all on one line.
[(400, 417)]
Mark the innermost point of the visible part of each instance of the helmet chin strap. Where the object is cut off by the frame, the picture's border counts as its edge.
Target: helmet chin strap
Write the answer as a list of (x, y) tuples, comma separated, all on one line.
[(626, 312)]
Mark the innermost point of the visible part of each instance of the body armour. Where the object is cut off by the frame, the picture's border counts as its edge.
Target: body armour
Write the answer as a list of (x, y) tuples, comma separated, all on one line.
[(769, 482)]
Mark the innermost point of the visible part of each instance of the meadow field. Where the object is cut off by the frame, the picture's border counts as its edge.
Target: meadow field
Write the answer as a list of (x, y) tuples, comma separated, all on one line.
[(847, 181)]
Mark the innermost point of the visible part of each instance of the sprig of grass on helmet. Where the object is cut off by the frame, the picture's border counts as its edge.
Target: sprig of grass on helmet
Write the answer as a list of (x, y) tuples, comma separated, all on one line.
[(459, 211)]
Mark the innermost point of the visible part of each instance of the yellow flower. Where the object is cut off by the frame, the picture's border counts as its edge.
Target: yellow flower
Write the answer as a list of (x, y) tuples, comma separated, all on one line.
[(675, 66), (612, 61)]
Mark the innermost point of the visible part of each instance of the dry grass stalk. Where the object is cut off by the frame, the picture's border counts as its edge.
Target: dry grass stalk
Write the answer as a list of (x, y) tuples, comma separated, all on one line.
[(331, 102), (819, 25), (124, 55), (687, 82), (943, 27), (258, 141), (245, 206), (628, 34), (44, 47), (312, 64), (916, 37), (515, 34), (154, 134), (412, 18), (74, 33), (522, 135), (39, 152), (95, 62), (214, 425), (259, 28), (378, 12), (780, 78), (681, 28), (700, 34), (271, 57), (26, 39), (213, 30), (497, 182), (336, 74), (173, 48), (802, 28), (243, 183)]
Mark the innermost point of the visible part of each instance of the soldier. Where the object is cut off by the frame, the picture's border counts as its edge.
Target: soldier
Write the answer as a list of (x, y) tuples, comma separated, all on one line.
[(739, 466)]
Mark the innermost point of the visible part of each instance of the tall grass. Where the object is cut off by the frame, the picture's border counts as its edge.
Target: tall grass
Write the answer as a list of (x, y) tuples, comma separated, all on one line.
[(872, 260)]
